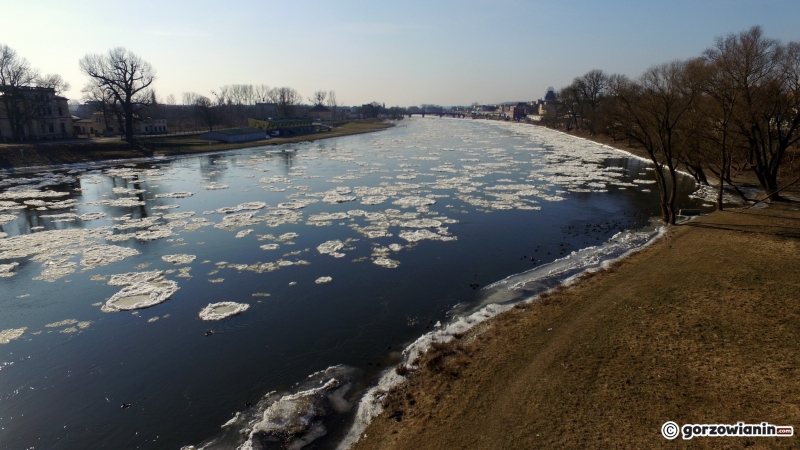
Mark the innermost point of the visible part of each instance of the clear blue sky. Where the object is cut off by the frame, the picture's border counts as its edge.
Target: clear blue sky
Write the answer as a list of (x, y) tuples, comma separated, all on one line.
[(400, 53)]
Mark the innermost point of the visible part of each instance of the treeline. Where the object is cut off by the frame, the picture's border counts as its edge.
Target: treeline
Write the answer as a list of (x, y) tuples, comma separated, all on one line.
[(121, 88), (233, 104), (735, 107)]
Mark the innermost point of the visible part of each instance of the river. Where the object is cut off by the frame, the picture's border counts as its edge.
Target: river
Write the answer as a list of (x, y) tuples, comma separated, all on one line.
[(337, 253)]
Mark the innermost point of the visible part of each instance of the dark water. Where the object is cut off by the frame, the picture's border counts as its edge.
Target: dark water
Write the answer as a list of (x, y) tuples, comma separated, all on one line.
[(66, 390)]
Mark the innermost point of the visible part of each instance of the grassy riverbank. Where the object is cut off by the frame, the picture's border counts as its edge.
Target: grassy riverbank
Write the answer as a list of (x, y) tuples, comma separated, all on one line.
[(700, 327), (46, 154)]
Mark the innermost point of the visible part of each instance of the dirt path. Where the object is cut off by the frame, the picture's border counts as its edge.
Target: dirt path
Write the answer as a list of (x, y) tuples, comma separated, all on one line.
[(701, 327)]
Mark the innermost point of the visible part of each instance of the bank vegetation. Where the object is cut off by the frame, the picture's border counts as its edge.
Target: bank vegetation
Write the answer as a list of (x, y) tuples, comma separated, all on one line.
[(735, 108)]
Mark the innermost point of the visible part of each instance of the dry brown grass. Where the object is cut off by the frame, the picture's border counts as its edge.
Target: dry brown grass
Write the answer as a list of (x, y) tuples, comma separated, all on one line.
[(701, 327)]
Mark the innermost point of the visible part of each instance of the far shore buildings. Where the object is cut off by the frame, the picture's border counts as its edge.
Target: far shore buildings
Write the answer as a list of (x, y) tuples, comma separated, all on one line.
[(534, 110), (320, 112), (36, 113), (98, 123), (150, 125)]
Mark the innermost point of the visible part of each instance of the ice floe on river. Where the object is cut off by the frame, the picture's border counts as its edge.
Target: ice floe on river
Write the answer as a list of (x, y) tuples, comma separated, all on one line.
[(141, 290), (179, 259), (9, 335), (222, 310)]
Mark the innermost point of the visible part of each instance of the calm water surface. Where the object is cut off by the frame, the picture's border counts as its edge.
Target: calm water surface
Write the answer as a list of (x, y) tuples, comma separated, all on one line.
[(420, 216)]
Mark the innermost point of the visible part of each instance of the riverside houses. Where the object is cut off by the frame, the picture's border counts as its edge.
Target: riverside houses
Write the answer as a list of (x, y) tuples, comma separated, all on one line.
[(33, 113), (320, 112)]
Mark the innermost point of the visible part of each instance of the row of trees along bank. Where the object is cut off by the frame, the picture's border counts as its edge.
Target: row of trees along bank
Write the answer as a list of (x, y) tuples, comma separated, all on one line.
[(121, 88), (735, 107)]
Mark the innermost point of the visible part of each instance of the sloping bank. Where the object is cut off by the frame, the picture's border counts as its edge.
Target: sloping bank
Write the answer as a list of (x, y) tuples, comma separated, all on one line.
[(62, 155), (700, 327)]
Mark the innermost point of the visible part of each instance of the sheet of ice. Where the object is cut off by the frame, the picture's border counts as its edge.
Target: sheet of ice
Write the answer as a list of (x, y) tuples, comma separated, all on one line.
[(290, 420), (9, 335), (234, 221), (178, 215), (6, 218), (141, 295), (61, 323), (6, 269), (127, 202), (175, 195), (125, 279), (709, 194), (386, 262), (179, 259), (55, 269), (243, 233), (421, 223), (16, 194), (222, 310), (323, 280), (334, 197), (419, 235), (330, 247), (104, 254), (297, 204), (414, 201), (92, 216), (153, 234), (127, 191), (6, 205)]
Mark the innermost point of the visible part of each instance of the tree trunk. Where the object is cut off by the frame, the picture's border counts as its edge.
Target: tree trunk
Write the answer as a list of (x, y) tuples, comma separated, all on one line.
[(128, 122)]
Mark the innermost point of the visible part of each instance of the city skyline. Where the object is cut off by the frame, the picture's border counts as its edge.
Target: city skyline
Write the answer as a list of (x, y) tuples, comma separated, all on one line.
[(447, 53)]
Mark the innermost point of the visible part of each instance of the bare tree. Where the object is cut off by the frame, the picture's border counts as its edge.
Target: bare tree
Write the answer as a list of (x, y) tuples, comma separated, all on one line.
[(719, 139), (569, 103), (286, 99), (127, 76), (237, 94), (766, 75), (207, 112), (189, 98), (653, 113), (591, 89), (318, 98), (261, 93), (17, 78), (188, 113), (103, 101), (332, 103)]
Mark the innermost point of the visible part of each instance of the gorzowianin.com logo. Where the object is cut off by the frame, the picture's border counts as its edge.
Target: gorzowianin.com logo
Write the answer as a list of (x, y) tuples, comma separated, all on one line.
[(671, 430)]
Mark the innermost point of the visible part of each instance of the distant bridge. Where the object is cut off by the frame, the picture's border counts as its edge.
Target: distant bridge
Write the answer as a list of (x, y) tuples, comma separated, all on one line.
[(459, 114)]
